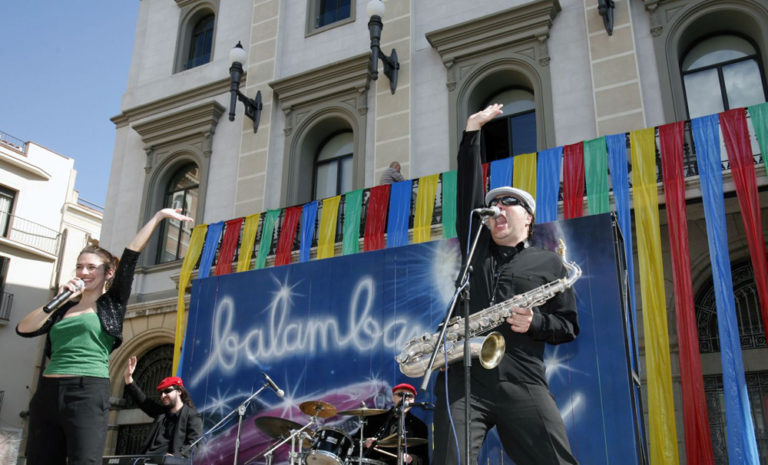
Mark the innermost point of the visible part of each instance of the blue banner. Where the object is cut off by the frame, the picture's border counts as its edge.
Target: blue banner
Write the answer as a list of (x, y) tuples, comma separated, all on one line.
[(328, 330)]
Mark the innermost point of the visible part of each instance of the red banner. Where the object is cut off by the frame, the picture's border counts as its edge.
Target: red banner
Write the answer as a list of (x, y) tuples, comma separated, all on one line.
[(376, 219), (573, 180), (287, 234), (228, 246)]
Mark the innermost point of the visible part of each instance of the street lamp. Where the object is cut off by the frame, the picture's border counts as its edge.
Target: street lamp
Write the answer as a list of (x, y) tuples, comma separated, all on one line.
[(237, 57), (375, 10)]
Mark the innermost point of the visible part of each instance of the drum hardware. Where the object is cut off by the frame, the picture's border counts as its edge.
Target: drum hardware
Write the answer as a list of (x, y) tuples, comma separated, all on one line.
[(279, 428), (331, 447), (300, 433), (391, 441), (317, 408), (367, 461)]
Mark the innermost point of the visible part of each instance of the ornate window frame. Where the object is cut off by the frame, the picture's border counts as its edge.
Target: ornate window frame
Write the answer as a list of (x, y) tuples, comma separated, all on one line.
[(316, 104), (677, 24), (481, 53)]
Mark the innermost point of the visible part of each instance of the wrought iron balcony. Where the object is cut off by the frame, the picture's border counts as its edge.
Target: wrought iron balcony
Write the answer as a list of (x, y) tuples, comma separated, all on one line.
[(29, 233), (6, 304)]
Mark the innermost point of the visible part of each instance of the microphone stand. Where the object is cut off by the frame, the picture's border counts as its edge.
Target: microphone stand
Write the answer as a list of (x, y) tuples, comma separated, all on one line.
[(462, 288), (240, 410)]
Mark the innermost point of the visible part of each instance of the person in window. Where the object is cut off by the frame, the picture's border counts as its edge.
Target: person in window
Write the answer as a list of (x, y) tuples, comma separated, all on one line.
[(384, 428), (391, 174), (177, 423), (68, 413), (514, 396)]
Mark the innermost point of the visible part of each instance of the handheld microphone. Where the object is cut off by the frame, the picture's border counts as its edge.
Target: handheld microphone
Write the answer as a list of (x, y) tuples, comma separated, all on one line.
[(280, 393), (489, 211), (61, 298)]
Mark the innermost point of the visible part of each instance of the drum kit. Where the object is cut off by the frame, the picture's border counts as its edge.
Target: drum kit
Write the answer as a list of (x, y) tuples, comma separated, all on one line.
[(313, 444)]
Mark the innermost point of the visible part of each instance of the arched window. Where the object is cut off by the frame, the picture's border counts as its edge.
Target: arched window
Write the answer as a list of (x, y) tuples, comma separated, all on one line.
[(333, 166), (514, 132), (200, 42), (720, 73), (181, 192)]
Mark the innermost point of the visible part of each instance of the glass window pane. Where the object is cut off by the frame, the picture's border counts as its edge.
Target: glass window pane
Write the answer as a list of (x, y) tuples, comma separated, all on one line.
[(514, 101), (716, 50), (200, 42), (742, 84), (338, 146), (325, 180), (702, 92), (346, 174), (330, 11), (523, 129)]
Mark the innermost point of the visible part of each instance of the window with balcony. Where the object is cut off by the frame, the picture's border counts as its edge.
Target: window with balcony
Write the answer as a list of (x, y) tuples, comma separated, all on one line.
[(181, 192), (333, 166), (513, 132), (720, 73)]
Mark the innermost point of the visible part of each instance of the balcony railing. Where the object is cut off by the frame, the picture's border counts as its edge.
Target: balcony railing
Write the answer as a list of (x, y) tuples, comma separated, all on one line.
[(28, 232), (13, 142), (6, 304)]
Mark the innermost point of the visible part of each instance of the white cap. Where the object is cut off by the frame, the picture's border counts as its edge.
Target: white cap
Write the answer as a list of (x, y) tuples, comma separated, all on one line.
[(520, 194)]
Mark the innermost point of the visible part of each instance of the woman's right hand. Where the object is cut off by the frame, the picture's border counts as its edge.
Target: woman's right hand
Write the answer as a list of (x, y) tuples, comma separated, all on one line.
[(477, 120)]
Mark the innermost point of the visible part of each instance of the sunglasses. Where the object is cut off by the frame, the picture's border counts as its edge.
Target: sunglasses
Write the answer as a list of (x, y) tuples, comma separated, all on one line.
[(506, 201), (168, 390), (403, 394)]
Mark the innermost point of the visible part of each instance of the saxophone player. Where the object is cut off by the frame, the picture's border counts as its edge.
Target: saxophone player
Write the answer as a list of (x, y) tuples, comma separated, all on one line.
[(514, 396)]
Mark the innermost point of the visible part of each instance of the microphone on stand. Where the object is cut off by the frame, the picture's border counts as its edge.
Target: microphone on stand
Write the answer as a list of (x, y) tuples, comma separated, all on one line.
[(280, 393), (424, 405), (489, 211), (59, 300)]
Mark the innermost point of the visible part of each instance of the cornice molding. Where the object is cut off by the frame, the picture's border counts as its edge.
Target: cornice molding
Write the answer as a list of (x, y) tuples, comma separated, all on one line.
[(198, 120), (529, 22), (341, 77), (25, 166)]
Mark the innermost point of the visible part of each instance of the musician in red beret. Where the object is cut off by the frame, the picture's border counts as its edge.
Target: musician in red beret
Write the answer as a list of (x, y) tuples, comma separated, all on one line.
[(177, 423)]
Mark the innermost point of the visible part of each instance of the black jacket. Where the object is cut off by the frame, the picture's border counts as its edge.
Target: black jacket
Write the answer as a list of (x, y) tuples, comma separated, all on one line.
[(188, 429), (110, 307)]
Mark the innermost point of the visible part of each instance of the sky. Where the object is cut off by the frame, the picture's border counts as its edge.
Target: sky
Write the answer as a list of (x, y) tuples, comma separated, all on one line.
[(63, 71)]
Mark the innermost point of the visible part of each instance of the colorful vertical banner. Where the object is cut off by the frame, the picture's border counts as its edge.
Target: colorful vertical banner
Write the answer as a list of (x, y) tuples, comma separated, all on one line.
[(185, 276), (525, 173), (661, 404), (376, 218), (425, 206), (448, 193), (573, 180), (326, 235), (399, 213), (246, 245), (308, 218), (353, 207), (287, 235), (548, 184), (698, 442), (267, 234), (733, 124), (209, 249), (742, 445), (228, 246), (501, 172), (759, 116), (596, 170)]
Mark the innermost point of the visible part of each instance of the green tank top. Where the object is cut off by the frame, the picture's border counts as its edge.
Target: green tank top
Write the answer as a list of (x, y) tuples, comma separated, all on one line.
[(79, 347)]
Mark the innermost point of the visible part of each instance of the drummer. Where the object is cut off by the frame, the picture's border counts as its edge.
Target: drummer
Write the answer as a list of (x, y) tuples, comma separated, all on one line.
[(384, 426)]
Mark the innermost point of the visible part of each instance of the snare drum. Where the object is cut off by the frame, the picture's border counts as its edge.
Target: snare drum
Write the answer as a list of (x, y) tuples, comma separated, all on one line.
[(331, 447), (363, 461)]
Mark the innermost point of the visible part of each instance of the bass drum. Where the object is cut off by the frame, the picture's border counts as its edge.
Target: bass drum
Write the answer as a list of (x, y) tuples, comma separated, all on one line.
[(331, 447)]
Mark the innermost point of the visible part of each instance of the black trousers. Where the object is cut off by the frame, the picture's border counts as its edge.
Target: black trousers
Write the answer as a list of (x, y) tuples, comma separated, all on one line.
[(68, 421), (526, 417)]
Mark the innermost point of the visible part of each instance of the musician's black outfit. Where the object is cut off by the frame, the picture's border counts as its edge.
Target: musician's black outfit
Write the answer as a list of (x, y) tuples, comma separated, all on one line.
[(171, 433), (385, 425), (514, 396)]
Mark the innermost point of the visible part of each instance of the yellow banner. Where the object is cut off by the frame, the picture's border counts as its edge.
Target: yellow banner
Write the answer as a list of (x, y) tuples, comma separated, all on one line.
[(524, 173), (246, 244), (187, 267), (326, 236), (425, 205), (661, 404)]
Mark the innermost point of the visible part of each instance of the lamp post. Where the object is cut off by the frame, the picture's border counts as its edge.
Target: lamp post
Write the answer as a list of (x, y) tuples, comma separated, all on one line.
[(375, 11), (237, 57)]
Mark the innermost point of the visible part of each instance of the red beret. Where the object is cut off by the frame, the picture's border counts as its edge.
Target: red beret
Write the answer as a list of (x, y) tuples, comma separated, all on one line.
[(170, 381), (406, 386)]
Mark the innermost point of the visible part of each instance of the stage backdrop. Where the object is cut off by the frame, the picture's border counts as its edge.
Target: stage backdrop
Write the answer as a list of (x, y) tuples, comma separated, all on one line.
[(328, 330)]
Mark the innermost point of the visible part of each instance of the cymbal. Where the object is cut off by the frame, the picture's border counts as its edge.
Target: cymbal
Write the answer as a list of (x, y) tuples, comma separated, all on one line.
[(318, 408), (363, 412), (391, 441), (276, 427)]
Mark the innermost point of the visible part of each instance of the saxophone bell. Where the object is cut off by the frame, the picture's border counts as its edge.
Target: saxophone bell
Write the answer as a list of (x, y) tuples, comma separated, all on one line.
[(491, 350)]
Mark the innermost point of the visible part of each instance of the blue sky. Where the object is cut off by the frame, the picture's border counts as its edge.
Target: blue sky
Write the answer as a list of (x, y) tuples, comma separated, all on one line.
[(64, 70)]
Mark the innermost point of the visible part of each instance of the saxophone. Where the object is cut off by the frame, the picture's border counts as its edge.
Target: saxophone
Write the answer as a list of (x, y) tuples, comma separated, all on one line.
[(414, 358)]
